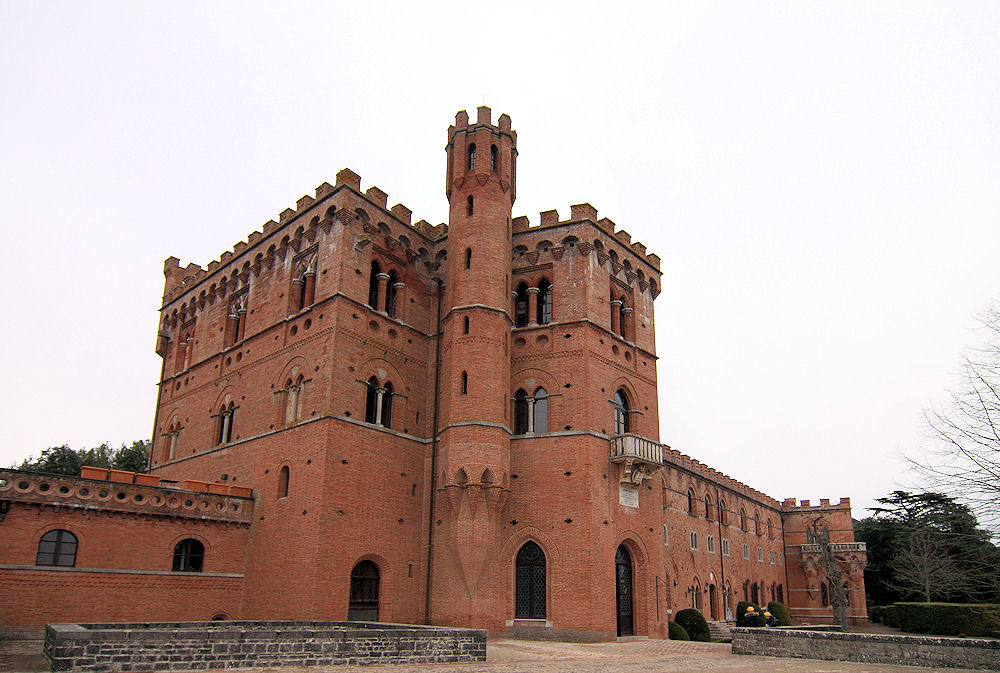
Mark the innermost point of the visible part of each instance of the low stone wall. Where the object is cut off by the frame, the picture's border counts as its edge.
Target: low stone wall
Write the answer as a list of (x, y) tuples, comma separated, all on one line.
[(930, 651), (246, 644)]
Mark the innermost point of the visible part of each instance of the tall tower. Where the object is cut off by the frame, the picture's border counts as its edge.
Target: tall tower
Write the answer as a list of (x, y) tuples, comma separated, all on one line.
[(473, 464)]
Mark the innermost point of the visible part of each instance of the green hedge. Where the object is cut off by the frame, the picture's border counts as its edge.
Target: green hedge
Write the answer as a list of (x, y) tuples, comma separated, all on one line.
[(780, 613), (694, 623), (677, 632), (947, 619)]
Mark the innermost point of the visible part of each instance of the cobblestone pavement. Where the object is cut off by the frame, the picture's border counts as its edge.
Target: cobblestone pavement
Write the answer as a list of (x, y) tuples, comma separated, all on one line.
[(523, 656)]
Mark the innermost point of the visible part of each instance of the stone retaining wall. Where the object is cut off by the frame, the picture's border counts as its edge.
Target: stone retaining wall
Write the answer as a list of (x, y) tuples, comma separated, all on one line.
[(931, 651), (246, 644)]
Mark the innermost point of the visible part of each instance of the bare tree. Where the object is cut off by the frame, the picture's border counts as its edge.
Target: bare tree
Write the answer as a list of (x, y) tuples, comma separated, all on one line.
[(964, 459), (926, 569)]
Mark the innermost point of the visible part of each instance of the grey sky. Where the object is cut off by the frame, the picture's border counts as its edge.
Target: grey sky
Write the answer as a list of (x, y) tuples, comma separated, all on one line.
[(820, 180)]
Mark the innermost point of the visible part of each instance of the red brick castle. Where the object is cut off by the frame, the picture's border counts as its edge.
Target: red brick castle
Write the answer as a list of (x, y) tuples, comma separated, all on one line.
[(361, 417)]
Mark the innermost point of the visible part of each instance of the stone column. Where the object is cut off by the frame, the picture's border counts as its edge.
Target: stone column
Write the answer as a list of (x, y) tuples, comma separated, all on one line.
[(398, 300), (379, 392), (531, 414), (615, 310), (310, 289), (532, 305), (627, 323), (383, 282)]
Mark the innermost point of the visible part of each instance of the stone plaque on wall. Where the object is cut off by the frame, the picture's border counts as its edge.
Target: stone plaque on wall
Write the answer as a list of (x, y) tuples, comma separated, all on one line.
[(628, 495)]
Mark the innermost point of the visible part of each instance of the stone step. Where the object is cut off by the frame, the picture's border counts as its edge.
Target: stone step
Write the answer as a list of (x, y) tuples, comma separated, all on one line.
[(720, 630)]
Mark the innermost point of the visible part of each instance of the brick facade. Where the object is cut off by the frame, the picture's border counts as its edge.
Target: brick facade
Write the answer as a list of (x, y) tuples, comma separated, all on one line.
[(313, 362)]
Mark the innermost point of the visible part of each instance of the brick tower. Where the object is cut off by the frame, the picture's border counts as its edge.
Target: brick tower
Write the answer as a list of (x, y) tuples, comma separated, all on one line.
[(473, 455)]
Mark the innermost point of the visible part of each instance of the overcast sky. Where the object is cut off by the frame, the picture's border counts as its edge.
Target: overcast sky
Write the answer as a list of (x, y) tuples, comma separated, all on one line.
[(819, 179)]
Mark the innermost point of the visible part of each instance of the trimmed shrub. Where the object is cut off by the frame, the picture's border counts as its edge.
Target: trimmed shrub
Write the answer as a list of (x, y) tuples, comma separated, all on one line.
[(780, 613), (948, 619), (876, 613), (889, 616), (677, 632), (741, 611), (694, 623)]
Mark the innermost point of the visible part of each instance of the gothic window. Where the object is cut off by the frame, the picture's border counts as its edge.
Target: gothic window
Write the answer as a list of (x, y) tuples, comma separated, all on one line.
[(723, 516), (743, 518), (691, 501), (521, 306), (57, 548), (541, 411), (544, 302), (530, 582), (746, 551), (468, 258), (770, 530), (708, 507), (390, 295), (226, 416), (710, 542), (520, 412), (171, 438), (373, 285), (371, 400), (780, 594), (622, 421), (493, 158), (283, 481), (694, 540), (387, 405), (465, 383), (472, 156), (469, 205), (755, 594), (235, 321), (293, 390), (189, 556), (363, 604), (756, 523), (623, 313), (303, 289)]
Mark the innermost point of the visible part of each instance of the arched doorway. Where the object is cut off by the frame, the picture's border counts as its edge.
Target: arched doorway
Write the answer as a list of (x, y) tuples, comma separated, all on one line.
[(363, 606), (530, 582), (623, 590), (713, 602)]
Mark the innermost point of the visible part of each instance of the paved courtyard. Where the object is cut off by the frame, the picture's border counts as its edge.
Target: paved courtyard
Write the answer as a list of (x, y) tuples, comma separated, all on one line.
[(522, 656)]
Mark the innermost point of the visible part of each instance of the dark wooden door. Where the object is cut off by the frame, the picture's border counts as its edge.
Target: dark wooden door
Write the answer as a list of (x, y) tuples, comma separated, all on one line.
[(363, 606), (623, 591)]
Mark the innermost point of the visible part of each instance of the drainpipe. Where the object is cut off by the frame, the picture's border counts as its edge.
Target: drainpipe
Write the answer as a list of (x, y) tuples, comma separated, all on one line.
[(722, 561), (434, 444)]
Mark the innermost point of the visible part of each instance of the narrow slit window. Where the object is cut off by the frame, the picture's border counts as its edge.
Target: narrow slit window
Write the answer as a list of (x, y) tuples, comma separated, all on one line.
[(465, 383), (469, 206)]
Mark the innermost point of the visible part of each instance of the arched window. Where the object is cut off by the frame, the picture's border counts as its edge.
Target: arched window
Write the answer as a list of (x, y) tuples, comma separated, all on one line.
[(541, 411), (468, 258), (521, 306), (465, 383), (465, 325), (623, 313), (690, 501), (363, 605), (472, 156), (755, 593), (283, 481), (708, 507), (493, 158), (622, 421), (373, 285), (292, 391), (696, 594), (57, 548), (770, 531), (544, 302), (387, 405), (371, 400), (469, 205), (530, 582), (780, 594), (189, 556), (227, 415), (743, 518), (520, 412), (723, 516), (756, 523), (390, 295)]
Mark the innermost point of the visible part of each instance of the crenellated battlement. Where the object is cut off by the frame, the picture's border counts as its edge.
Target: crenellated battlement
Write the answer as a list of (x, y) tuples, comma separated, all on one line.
[(684, 461), (788, 505), (584, 212), (179, 280)]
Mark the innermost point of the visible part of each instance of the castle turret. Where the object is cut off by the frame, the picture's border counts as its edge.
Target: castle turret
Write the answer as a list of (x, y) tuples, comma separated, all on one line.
[(474, 430)]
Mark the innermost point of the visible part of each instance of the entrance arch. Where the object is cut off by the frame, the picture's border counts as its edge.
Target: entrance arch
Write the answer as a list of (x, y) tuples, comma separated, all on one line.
[(713, 603), (529, 581), (363, 605), (623, 591)]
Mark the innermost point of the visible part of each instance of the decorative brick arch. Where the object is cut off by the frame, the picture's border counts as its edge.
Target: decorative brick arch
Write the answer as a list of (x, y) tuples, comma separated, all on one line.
[(386, 587), (642, 580), (508, 558)]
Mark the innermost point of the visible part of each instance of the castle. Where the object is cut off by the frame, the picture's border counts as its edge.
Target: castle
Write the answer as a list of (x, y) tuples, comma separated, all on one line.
[(361, 417)]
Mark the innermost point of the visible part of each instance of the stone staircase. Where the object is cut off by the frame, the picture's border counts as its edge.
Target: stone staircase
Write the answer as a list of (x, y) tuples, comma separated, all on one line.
[(720, 630)]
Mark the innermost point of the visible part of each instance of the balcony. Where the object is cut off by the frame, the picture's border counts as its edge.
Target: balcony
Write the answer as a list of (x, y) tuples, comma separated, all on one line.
[(836, 548), (639, 457)]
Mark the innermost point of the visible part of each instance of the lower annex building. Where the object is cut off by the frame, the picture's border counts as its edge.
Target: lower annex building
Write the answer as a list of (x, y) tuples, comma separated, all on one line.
[(362, 417)]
